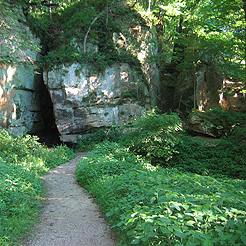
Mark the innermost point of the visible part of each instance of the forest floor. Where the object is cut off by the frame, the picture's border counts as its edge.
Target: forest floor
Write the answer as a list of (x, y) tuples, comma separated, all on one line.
[(70, 217)]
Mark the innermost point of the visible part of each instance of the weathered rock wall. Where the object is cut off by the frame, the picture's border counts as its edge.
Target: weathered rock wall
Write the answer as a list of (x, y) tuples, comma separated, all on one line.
[(83, 101), (82, 98), (19, 100), (19, 85)]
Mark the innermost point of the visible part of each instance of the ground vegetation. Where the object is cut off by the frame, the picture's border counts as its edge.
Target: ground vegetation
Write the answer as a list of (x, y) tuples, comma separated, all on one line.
[(160, 186), (23, 160)]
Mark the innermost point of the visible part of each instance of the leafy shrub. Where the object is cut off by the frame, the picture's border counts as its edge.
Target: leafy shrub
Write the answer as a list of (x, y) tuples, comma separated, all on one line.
[(223, 157), (155, 206), (89, 141), (106, 159), (238, 135), (154, 136), (228, 117), (57, 156), (22, 161)]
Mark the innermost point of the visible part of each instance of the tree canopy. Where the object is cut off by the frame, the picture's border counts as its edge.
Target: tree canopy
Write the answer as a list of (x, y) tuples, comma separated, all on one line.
[(189, 31), (203, 29)]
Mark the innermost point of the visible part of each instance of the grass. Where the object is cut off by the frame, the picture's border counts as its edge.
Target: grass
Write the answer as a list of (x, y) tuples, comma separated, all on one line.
[(22, 162)]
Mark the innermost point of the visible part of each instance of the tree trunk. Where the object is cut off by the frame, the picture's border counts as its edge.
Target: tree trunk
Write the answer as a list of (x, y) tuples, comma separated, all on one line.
[(244, 8)]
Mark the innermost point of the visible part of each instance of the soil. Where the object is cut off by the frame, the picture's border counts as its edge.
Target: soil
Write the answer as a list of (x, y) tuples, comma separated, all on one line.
[(70, 217)]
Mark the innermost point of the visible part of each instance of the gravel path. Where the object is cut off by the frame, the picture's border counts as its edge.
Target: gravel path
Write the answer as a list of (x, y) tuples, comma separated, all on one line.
[(70, 217)]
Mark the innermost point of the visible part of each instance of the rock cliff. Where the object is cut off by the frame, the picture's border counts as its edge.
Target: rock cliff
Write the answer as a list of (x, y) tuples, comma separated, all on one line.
[(83, 101), (20, 97), (97, 70), (82, 97)]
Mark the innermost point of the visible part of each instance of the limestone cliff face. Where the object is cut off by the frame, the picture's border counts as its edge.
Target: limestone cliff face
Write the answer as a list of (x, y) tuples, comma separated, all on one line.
[(83, 101), (79, 97), (19, 100), (19, 85), (82, 97)]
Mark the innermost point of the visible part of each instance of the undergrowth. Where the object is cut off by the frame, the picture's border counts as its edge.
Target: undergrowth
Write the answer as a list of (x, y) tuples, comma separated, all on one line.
[(226, 157), (149, 205), (159, 186), (22, 162), (160, 139)]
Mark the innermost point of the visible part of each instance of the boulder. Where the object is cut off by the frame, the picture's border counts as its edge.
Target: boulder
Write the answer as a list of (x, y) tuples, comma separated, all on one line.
[(201, 124)]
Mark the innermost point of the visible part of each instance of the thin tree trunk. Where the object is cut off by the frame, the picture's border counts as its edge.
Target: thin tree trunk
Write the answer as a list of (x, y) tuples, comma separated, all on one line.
[(50, 14), (149, 7), (244, 8)]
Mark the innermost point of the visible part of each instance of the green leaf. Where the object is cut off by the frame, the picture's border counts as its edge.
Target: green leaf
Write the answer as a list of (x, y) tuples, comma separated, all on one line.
[(207, 242), (147, 227), (180, 234), (222, 218), (166, 221), (190, 223), (135, 241), (176, 205), (108, 214), (186, 206), (243, 238), (230, 223), (165, 230), (152, 234)]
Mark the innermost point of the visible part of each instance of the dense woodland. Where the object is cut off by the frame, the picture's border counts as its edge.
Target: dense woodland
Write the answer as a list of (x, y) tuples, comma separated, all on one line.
[(156, 184)]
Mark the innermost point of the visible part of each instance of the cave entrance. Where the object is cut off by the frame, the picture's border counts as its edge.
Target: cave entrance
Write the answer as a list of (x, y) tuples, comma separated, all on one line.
[(49, 135)]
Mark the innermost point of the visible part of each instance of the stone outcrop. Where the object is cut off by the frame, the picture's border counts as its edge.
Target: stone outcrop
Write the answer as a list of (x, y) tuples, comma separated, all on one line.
[(19, 85), (84, 98), (81, 97), (233, 96), (19, 100), (83, 101), (201, 124)]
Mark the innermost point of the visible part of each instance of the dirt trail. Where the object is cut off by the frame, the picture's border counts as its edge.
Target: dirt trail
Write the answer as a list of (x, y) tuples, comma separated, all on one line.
[(70, 217)]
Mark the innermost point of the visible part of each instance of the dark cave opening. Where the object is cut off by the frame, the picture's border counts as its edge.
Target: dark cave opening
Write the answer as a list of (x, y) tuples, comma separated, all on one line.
[(49, 135)]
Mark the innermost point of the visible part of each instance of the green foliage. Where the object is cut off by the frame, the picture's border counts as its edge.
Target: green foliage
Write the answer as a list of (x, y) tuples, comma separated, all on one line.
[(229, 117), (153, 135), (191, 32), (225, 156), (22, 161), (156, 206), (159, 139), (66, 45), (14, 36), (214, 158), (106, 159), (89, 141), (238, 135)]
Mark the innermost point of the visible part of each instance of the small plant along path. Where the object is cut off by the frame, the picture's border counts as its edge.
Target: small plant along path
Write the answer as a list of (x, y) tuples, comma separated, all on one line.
[(70, 216)]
